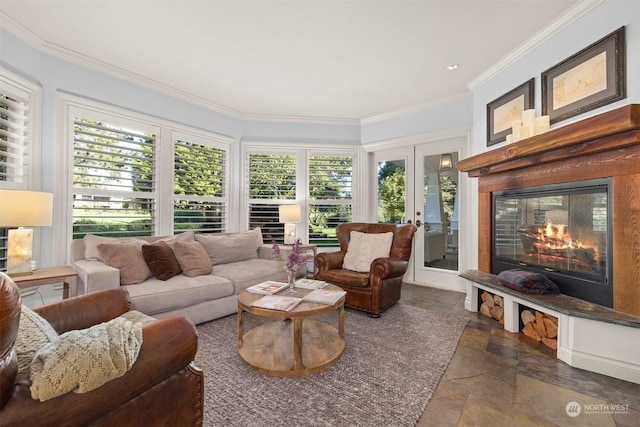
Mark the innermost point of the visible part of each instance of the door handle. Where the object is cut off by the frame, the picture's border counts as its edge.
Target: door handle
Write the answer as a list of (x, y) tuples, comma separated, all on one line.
[(418, 223)]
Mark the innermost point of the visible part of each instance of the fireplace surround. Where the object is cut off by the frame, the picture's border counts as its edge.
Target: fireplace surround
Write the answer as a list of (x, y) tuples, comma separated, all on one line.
[(603, 147)]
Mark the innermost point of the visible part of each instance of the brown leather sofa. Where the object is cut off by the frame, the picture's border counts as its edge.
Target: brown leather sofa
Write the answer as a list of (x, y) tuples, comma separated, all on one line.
[(380, 288), (162, 388)]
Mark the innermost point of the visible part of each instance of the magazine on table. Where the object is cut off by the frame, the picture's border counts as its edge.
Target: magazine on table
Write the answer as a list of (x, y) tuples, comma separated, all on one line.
[(324, 296), (267, 288), (310, 284), (277, 302)]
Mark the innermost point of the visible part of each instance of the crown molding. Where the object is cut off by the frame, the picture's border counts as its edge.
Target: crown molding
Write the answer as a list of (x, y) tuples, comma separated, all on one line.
[(419, 138), (413, 110), (560, 23), (76, 58)]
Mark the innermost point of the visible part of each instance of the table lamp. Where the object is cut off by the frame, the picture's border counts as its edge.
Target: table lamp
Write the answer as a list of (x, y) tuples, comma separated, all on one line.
[(23, 209), (289, 215)]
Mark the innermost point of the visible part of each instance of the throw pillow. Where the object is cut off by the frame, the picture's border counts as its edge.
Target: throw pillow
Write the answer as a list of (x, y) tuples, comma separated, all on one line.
[(193, 259), (34, 333), (364, 248), (187, 236), (91, 243), (161, 260), (231, 247), (126, 257), (528, 282)]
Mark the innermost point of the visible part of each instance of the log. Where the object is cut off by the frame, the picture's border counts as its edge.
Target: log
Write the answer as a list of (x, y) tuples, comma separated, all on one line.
[(484, 309), (497, 312), (551, 343), (539, 325), (531, 332), (497, 300), (527, 317), (483, 296), (489, 300), (551, 326)]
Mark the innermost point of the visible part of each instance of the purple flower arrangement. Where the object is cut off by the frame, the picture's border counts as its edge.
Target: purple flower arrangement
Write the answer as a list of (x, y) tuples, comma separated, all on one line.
[(294, 259)]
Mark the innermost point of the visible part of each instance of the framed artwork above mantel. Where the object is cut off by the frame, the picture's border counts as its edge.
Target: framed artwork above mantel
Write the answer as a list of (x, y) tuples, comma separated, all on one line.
[(589, 79), (503, 111)]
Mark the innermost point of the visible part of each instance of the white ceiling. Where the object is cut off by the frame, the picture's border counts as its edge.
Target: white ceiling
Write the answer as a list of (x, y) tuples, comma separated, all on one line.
[(316, 59)]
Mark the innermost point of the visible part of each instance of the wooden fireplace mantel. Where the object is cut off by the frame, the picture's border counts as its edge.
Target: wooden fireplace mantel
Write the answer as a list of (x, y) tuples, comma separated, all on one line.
[(603, 146), (607, 131)]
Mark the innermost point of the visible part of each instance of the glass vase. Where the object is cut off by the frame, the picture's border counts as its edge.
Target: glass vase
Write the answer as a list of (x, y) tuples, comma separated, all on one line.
[(291, 277)]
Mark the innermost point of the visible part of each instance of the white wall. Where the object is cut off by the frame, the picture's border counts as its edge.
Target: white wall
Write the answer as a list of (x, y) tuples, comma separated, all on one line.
[(603, 19)]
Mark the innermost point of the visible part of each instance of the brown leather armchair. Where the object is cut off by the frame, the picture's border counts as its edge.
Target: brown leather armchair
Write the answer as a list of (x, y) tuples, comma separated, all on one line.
[(162, 388), (379, 288)]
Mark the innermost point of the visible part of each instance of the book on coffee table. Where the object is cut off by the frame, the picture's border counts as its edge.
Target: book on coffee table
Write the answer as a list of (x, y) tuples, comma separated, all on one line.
[(277, 302), (267, 288), (310, 284), (324, 296)]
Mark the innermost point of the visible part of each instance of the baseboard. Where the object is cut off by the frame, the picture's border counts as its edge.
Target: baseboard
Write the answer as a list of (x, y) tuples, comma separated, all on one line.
[(599, 364)]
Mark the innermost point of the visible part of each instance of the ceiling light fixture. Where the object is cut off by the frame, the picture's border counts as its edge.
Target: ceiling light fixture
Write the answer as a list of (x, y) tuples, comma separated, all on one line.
[(452, 67)]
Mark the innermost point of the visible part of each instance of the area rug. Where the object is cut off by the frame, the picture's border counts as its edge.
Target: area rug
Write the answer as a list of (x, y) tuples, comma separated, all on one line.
[(387, 374)]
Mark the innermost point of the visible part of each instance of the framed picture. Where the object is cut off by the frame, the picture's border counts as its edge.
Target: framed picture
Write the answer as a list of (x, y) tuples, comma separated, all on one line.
[(591, 78), (503, 111)]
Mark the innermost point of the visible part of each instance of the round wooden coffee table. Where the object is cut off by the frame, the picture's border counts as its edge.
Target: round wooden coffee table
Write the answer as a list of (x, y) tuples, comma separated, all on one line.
[(292, 344)]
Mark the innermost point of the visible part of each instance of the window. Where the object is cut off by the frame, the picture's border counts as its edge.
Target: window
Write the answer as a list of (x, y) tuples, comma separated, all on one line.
[(19, 139), (272, 182), (323, 180), (136, 175), (114, 176), (330, 196), (199, 185)]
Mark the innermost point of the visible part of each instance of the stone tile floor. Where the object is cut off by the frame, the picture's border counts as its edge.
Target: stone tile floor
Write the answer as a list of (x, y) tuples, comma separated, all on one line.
[(498, 378)]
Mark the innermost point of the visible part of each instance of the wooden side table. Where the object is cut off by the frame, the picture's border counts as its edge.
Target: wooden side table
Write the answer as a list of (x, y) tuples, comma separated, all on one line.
[(48, 275)]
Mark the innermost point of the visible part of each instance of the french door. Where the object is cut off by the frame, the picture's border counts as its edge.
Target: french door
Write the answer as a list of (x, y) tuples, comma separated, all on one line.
[(420, 184)]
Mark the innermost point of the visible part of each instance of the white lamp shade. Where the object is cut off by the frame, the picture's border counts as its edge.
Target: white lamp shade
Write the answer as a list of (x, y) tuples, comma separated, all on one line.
[(289, 213), (25, 208)]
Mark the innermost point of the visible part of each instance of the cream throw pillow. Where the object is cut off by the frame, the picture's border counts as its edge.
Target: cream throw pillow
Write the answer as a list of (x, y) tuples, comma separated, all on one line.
[(34, 333), (91, 243), (364, 248), (231, 247)]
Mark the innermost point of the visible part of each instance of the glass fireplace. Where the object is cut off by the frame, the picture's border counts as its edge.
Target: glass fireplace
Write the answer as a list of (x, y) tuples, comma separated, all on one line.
[(561, 230)]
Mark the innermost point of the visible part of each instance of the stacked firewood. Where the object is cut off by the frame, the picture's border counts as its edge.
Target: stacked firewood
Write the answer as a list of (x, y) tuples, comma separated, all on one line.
[(492, 306), (540, 327)]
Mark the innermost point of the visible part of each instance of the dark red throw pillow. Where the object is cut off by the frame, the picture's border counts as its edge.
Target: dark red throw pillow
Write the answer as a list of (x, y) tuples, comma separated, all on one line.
[(528, 282), (161, 260)]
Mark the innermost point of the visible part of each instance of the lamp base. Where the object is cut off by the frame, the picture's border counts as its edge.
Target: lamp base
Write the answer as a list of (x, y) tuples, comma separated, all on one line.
[(289, 233), (19, 252)]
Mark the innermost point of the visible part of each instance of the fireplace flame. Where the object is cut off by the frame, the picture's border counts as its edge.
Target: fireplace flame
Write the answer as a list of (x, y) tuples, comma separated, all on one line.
[(556, 238)]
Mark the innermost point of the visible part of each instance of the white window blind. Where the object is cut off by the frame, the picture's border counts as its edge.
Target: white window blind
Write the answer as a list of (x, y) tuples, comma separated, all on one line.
[(272, 182), (200, 186), (114, 176), (14, 150), (330, 196)]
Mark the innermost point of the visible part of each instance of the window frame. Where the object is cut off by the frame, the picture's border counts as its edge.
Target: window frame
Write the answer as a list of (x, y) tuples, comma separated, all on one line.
[(18, 87), (166, 130), (303, 153)]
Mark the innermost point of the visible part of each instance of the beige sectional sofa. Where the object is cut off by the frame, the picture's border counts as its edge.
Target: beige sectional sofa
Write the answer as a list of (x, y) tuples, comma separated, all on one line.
[(202, 291)]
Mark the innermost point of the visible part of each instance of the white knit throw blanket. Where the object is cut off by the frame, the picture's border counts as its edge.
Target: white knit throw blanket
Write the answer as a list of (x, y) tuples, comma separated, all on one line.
[(83, 360)]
